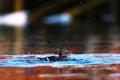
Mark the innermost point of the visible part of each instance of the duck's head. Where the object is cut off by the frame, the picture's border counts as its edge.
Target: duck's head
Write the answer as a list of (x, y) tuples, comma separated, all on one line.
[(63, 53)]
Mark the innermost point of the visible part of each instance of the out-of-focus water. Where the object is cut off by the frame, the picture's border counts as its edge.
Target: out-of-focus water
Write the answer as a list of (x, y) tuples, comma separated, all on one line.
[(83, 67)]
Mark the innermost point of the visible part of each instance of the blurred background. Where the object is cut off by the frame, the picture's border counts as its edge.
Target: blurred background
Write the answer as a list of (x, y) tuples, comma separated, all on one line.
[(42, 26)]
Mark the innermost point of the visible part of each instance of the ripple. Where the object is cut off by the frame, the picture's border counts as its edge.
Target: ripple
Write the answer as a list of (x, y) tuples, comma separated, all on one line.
[(80, 59)]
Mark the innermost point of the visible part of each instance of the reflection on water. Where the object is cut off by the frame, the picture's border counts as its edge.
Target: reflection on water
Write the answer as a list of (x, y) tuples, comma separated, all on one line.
[(85, 67), (93, 72)]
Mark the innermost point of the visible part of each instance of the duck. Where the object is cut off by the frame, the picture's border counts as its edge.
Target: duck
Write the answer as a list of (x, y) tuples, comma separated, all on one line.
[(63, 55)]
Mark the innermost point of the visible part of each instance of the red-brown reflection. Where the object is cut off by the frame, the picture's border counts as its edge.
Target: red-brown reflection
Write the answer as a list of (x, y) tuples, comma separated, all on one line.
[(89, 72)]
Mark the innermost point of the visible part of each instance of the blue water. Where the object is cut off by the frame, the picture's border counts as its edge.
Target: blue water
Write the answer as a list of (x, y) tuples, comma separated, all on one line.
[(80, 59)]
